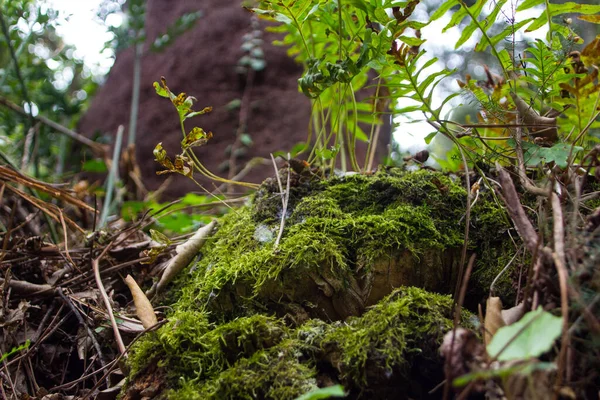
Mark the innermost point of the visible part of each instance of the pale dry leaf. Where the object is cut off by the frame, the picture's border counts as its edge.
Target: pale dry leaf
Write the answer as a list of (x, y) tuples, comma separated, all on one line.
[(143, 308), (493, 318)]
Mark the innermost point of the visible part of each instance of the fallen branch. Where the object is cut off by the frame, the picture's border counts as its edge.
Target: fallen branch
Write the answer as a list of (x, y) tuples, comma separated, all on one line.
[(515, 210), (285, 197), (563, 276), (24, 287), (106, 300), (185, 253), (97, 148)]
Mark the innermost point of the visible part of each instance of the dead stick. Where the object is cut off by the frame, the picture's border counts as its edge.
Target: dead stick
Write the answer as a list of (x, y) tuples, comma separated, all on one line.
[(515, 210), (559, 261), (105, 299)]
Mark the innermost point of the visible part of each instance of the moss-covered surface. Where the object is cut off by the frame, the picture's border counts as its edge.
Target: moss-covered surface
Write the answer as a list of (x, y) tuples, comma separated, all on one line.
[(253, 321)]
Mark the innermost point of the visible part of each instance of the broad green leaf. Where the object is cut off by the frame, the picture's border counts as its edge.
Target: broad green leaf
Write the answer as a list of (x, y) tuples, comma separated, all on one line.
[(131, 209), (430, 137), (411, 41), (323, 393), (159, 237), (160, 90), (177, 222), (195, 199), (535, 155), (530, 337), (95, 165)]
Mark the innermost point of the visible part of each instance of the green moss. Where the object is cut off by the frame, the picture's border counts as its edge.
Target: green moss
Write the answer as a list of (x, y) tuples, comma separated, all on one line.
[(345, 226), (257, 357), (276, 374), (409, 322), (189, 346)]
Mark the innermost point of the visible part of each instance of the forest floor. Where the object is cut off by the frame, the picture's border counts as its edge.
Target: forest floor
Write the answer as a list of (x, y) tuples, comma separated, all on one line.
[(351, 280)]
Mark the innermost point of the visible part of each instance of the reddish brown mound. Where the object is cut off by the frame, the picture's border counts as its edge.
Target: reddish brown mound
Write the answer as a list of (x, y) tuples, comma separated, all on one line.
[(202, 62)]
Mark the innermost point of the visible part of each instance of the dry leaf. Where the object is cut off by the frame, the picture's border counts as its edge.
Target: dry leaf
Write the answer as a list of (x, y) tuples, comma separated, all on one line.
[(493, 318), (143, 308)]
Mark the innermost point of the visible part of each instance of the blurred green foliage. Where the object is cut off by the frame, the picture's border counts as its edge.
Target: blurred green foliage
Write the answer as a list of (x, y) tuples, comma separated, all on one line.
[(51, 78)]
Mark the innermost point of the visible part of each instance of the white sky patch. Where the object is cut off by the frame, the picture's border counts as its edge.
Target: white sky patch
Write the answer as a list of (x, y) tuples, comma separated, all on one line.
[(80, 27)]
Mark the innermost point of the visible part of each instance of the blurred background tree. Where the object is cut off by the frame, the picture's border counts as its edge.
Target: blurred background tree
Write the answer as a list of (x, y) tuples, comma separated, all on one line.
[(40, 73)]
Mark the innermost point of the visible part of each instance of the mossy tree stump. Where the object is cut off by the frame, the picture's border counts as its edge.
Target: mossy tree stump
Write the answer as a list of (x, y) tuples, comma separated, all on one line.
[(357, 291)]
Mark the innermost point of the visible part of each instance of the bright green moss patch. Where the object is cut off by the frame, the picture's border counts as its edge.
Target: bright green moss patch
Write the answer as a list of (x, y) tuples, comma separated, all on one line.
[(332, 237), (189, 346), (274, 374)]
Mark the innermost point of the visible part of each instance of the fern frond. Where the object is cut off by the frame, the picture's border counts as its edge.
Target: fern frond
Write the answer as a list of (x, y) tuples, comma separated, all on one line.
[(554, 10)]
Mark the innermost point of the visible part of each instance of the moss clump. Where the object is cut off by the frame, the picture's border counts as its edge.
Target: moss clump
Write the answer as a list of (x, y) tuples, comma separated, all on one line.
[(190, 346), (279, 373), (333, 237), (390, 349), (403, 330)]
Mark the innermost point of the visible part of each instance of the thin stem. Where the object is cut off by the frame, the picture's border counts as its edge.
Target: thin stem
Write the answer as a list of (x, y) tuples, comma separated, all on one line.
[(135, 93)]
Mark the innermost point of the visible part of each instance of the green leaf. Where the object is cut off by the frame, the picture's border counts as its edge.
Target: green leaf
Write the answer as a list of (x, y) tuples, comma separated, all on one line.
[(194, 199), (131, 209), (159, 237), (160, 90), (195, 113), (328, 154), (530, 337), (276, 16), (535, 155), (411, 41), (179, 222), (443, 9), (483, 44), (559, 9), (408, 109), (503, 372), (466, 35), (358, 133), (97, 165), (324, 393), (25, 346), (529, 3), (246, 140), (430, 137)]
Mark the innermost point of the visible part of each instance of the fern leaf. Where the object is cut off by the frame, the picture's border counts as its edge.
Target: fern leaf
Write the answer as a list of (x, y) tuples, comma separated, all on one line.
[(443, 9), (508, 31), (529, 4), (554, 10)]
